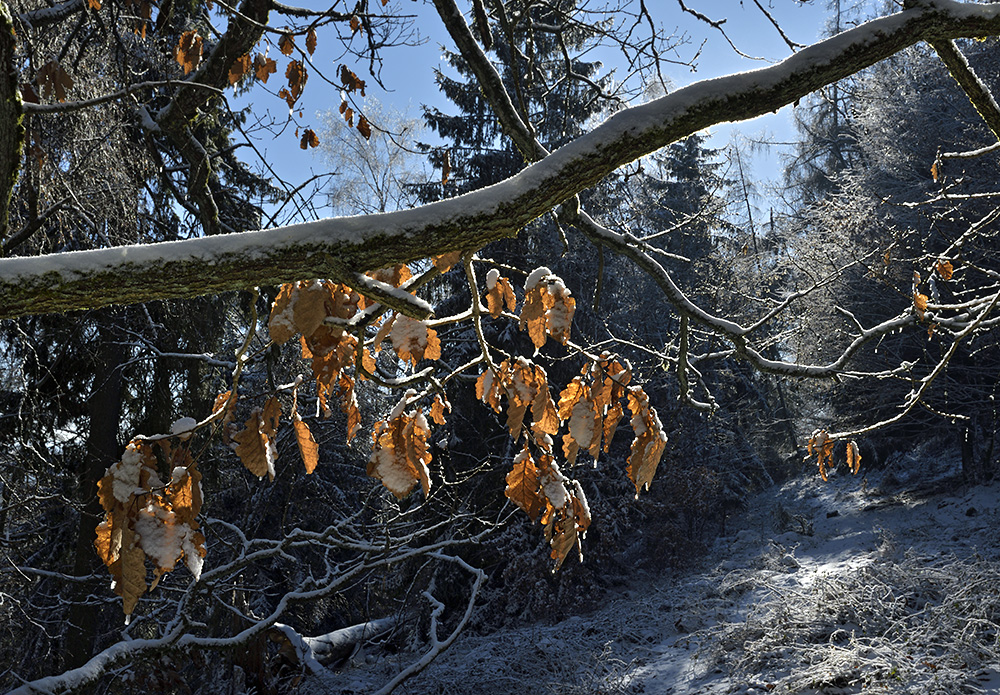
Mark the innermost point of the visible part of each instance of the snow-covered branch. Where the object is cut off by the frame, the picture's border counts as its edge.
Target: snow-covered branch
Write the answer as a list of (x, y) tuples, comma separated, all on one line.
[(340, 247)]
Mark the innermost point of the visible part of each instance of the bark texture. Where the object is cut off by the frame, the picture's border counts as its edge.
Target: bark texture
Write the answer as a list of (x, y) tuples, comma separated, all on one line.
[(338, 248)]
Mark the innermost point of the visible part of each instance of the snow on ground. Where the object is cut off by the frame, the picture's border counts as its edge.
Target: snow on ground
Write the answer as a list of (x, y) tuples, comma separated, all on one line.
[(857, 585)]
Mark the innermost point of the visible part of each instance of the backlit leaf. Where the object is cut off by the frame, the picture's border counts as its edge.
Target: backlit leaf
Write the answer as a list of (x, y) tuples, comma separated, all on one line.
[(308, 448), (188, 51)]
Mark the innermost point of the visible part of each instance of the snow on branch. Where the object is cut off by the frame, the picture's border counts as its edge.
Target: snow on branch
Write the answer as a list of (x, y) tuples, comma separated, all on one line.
[(338, 248)]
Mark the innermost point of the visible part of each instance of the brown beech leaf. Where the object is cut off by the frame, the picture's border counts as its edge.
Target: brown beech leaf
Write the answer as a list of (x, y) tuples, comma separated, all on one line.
[(437, 409), (256, 444), (383, 332), (264, 67), (188, 51), (349, 405), (945, 270), (297, 78), (499, 294), (548, 307), (240, 67), (649, 442), (853, 457), (184, 493), (489, 388), (584, 430), (286, 44), (413, 340), (364, 127), (310, 306), (350, 81), (309, 139), (820, 445), (445, 261), (281, 324), (523, 486), (53, 80), (311, 40), (566, 515), (355, 24), (394, 275), (133, 571), (445, 167), (400, 455), (308, 448), (920, 304)]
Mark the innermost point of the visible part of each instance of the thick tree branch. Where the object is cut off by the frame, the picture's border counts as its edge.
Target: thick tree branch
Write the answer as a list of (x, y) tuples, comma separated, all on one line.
[(337, 248), (978, 93), (243, 32), (489, 80)]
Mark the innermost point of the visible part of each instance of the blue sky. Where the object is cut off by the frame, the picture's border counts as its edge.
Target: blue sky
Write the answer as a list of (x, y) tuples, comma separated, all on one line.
[(408, 73)]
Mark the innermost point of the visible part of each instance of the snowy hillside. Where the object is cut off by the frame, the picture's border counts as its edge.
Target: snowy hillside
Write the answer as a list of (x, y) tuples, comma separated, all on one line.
[(856, 585)]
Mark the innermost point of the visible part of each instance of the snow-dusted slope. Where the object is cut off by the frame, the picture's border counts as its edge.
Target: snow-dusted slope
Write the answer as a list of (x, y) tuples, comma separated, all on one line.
[(851, 586)]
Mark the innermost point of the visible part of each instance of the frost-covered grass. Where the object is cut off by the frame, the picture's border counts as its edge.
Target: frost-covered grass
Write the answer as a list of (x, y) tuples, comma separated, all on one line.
[(917, 624), (884, 585)]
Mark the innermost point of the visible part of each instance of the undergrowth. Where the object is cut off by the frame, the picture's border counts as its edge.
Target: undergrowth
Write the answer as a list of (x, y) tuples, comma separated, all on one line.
[(911, 625)]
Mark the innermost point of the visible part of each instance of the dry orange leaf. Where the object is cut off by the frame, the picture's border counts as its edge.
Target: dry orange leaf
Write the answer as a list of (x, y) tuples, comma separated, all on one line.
[(445, 261), (945, 270), (188, 51), (445, 167), (394, 275), (286, 44), (437, 409), (523, 485), (309, 139), (256, 445), (400, 455), (308, 448), (853, 457), (548, 307), (920, 304), (350, 81), (365, 128), (413, 340), (649, 442), (499, 293), (264, 67), (239, 68), (820, 445), (297, 78), (132, 584), (311, 40)]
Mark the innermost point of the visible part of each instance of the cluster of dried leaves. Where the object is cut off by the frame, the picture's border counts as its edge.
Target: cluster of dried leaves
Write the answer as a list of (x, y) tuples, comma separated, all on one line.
[(188, 54), (591, 409), (821, 446), (944, 270), (145, 517)]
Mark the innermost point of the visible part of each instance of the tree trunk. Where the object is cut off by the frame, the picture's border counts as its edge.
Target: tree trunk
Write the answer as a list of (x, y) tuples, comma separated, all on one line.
[(11, 115), (104, 409)]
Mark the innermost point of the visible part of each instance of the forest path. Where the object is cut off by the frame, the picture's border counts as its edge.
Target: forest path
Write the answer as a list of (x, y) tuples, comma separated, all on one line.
[(833, 587)]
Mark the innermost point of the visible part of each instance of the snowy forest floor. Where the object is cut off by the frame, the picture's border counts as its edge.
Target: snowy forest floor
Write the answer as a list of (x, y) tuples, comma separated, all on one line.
[(884, 584)]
